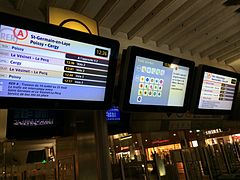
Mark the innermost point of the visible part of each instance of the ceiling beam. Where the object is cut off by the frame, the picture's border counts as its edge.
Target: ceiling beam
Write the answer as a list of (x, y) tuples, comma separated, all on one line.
[(79, 5), (44, 7), (196, 12), (224, 50), (203, 26), (130, 11), (163, 4), (225, 30), (232, 59), (18, 4), (224, 43), (105, 10), (228, 55), (196, 24), (214, 35), (176, 14)]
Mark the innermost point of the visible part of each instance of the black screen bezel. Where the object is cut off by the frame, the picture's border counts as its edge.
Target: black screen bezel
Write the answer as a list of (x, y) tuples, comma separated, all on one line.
[(201, 69), (23, 23), (131, 54)]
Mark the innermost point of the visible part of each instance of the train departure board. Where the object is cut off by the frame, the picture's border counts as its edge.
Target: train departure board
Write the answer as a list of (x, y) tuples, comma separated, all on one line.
[(46, 65), (217, 91)]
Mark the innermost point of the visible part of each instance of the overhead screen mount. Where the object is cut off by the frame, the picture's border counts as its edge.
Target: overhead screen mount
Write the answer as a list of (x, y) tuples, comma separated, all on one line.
[(215, 90), (155, 82), (46, 66)]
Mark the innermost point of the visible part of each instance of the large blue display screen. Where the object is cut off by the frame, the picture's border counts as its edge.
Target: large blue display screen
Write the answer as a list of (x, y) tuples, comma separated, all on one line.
[(37, 65)]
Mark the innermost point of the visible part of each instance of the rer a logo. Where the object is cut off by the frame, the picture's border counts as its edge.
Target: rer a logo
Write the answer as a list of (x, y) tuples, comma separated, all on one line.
[(6, 34), (20, 33)]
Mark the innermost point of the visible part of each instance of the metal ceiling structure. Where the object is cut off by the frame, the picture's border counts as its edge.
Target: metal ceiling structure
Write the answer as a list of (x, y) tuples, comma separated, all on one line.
[(208, 28)]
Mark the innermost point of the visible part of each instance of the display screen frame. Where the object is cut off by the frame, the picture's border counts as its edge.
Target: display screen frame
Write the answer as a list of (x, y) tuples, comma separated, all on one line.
[(128, 72), (49, 29), (199, 76)]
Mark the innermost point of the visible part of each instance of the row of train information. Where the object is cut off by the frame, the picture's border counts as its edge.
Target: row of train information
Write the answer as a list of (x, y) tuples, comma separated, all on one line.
[(36, 65)]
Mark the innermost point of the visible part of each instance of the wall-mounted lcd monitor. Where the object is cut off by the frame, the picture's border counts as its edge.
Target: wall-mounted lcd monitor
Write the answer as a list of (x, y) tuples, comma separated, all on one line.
[(155, 82), (34, 124), (215, 90), (46, 66), (113, 114)]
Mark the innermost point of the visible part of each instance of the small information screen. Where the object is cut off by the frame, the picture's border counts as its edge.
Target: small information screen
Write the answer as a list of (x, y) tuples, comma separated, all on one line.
[(158, 83), (113, 114), (36, 65), (31, 124), (217, 92)]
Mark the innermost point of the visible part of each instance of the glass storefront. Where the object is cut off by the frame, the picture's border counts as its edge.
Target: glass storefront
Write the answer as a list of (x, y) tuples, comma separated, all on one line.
[(202, 154)]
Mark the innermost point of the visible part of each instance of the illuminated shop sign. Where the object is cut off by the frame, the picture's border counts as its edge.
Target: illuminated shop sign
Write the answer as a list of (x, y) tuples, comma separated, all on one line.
[(213, 131), (124, 148), (160, 141)]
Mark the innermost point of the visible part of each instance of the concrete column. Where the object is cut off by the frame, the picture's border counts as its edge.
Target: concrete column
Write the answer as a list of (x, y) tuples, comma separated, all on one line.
[(183, 141), (101, 133)]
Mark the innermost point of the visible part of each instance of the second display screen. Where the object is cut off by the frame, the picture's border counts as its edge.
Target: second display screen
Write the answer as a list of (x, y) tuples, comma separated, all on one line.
[(157, 83)]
